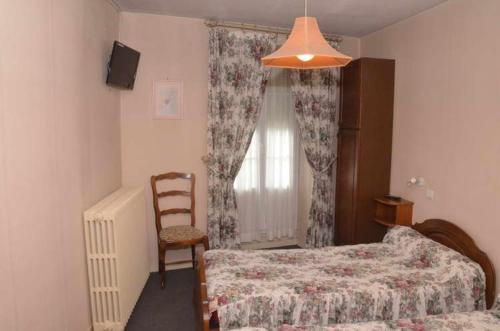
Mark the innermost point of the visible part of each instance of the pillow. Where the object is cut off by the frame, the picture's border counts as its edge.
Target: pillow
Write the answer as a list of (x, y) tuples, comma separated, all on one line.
[(399, 235), (496, 306)]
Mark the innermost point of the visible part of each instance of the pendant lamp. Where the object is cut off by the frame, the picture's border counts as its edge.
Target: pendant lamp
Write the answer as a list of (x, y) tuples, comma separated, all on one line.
[(306, 48)]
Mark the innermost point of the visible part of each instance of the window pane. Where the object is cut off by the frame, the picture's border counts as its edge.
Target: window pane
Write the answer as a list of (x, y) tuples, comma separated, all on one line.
[(248, 177), (278, 158)]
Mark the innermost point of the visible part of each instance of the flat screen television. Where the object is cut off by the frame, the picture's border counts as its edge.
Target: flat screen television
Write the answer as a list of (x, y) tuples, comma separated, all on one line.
[(122, 66)]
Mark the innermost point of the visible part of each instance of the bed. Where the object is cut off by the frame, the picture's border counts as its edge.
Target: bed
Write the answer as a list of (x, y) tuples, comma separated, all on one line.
[(434, 268), (488, 320)]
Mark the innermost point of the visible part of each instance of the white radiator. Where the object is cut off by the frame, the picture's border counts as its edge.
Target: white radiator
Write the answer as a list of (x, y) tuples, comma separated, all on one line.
[(117, 257)]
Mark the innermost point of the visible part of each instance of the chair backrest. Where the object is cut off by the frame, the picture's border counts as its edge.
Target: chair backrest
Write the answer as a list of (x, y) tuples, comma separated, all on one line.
[(157, 196)]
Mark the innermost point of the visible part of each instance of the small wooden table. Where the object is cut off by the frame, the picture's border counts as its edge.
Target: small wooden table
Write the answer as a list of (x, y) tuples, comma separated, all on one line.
[(389, 212)]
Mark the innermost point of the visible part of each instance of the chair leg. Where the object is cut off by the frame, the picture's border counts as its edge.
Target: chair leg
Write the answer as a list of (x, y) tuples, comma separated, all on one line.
[(161, 265), (193, 254), (205, 243)]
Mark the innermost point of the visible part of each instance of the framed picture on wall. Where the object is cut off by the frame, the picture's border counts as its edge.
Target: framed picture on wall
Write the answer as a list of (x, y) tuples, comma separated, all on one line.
[(167, 100)]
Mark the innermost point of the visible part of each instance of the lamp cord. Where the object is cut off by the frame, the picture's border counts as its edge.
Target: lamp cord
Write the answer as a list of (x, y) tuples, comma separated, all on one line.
[(306, 37)]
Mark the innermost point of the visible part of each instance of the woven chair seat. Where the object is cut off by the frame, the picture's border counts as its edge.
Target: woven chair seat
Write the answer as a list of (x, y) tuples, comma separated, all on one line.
[(177, 233)]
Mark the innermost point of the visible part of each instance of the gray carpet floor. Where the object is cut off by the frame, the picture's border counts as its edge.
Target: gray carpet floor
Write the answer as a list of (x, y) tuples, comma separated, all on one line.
[(170, 309)]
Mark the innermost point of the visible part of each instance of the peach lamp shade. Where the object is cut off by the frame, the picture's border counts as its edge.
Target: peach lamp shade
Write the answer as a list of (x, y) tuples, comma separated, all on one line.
[(306, 48)]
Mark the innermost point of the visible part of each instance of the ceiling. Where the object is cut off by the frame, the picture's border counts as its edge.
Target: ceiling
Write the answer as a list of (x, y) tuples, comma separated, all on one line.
[(346, 17)]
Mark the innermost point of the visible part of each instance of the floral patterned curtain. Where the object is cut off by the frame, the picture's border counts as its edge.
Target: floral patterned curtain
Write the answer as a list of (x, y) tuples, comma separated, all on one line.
[(237, 82), (315, 94)]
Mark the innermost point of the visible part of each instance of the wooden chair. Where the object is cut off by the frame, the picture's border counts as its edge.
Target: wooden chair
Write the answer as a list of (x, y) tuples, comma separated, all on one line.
[(179, 236)]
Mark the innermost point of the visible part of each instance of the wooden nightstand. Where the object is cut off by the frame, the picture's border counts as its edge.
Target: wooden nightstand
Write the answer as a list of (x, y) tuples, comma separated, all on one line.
[(393, 212)]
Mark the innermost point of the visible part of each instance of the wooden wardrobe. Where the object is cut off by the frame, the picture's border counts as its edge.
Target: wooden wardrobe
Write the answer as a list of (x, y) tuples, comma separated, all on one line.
[(364, 148)]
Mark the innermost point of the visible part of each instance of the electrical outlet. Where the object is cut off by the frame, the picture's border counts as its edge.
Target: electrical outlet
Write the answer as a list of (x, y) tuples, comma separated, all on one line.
[(429, 194)]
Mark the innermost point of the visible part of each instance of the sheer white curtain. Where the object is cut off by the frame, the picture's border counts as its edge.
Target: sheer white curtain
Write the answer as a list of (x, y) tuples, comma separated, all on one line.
[(267, 184)]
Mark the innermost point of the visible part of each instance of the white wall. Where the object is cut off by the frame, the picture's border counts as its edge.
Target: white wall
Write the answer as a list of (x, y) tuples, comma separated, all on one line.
[(59, 153), (447, 113), (176, 49)]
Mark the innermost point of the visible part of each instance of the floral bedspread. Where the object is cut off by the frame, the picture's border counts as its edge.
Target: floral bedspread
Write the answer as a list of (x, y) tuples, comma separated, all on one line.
[(406, 276), (478, 320)]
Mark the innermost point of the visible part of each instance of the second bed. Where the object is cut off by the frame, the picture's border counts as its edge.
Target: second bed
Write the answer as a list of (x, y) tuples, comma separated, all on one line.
[(409, 275)]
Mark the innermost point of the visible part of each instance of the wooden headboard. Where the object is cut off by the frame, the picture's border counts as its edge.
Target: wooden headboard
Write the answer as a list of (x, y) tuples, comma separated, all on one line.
[(450, 235)]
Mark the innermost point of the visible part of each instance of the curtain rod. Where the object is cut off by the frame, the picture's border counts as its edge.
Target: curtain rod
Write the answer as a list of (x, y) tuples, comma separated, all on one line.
[(263, 28)]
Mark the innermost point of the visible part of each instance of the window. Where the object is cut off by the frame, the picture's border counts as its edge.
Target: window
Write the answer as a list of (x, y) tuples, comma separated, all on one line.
[(266, 186)]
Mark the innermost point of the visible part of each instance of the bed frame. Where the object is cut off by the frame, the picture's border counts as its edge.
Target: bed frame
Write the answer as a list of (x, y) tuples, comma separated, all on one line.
[(450, 235), (200, 296), (442, 231)]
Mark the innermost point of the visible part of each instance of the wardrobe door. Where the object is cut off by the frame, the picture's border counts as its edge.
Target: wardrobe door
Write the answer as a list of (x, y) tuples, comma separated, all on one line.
[(350, 108), (374, 162), (345, 208), (364, 148)]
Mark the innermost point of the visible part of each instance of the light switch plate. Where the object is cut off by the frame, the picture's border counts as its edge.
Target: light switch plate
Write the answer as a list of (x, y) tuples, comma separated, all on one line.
[(429, 194)]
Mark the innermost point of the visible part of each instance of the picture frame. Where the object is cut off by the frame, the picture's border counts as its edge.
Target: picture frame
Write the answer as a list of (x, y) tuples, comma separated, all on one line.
[(167, 99)]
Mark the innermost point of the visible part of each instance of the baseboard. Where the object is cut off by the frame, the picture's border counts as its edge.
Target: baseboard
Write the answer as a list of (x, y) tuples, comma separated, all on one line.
[(185, 265), (269, 244)]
